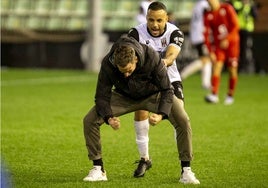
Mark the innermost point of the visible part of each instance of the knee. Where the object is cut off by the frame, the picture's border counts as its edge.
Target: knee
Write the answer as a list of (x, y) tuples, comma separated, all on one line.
[(85, 120), (184, 122), (85, 123), (141, 115), (92, 120), (88, 121)]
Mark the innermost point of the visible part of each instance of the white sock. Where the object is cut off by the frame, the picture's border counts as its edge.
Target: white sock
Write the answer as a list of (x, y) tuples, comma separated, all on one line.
[(206, 75), (192, 68), (142, 138)]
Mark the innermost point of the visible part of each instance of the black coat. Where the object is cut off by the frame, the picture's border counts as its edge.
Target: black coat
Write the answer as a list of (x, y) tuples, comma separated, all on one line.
[(149, 77)]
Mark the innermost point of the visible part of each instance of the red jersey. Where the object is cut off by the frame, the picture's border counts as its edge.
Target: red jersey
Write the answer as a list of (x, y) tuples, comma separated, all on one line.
[(222, 24)]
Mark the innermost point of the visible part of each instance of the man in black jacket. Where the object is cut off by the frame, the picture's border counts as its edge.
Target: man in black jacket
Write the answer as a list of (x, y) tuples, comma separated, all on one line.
[(132, 77)]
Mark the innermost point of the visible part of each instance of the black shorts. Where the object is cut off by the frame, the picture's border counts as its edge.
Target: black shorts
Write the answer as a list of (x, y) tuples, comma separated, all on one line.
[(202, 49), (178, 89)]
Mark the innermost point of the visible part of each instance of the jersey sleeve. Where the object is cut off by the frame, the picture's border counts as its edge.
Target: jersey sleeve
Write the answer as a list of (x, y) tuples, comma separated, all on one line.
[(234, 23), (177, 38), (134, 33), (207, 33)]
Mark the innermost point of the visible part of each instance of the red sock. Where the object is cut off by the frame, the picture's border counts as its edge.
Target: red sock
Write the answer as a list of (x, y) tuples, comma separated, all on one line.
[(215, 82), (232, 85)]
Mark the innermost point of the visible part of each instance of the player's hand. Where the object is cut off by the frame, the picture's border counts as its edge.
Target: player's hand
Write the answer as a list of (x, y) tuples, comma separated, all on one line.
[(213, 57), (224, 44), (114, 122), (164, 61), (155, 118)]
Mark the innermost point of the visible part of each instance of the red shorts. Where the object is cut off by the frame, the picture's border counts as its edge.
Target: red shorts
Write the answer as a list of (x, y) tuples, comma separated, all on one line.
[(229, 55)]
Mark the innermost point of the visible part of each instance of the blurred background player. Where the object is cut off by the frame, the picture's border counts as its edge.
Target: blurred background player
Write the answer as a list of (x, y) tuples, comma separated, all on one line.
[(203, 63), (221, 23), (167, 39), (247, 11), (141, 17)]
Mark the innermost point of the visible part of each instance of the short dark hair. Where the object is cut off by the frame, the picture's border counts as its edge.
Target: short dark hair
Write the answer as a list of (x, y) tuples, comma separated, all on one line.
[(156, 5), (123, 55)]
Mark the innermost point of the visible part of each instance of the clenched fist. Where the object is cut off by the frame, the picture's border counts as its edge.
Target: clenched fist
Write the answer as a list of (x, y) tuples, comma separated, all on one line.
[(155, 118), (114, 122)]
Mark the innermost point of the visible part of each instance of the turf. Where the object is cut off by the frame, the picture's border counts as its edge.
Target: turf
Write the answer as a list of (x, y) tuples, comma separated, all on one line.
[(42, 142)]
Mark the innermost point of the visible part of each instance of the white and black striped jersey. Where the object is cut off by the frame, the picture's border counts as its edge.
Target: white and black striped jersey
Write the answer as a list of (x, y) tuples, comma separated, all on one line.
[(197, 22), (171, 36)]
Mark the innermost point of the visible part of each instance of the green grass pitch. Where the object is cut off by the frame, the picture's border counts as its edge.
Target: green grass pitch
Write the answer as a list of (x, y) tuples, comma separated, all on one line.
[(42, 142)]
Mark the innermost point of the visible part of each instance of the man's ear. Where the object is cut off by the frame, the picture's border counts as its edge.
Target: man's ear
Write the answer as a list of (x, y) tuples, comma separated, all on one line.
[(136, 59), (166, 18)]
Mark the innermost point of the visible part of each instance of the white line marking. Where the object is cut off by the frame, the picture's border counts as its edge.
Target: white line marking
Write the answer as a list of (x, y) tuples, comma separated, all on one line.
[(48, 80)]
